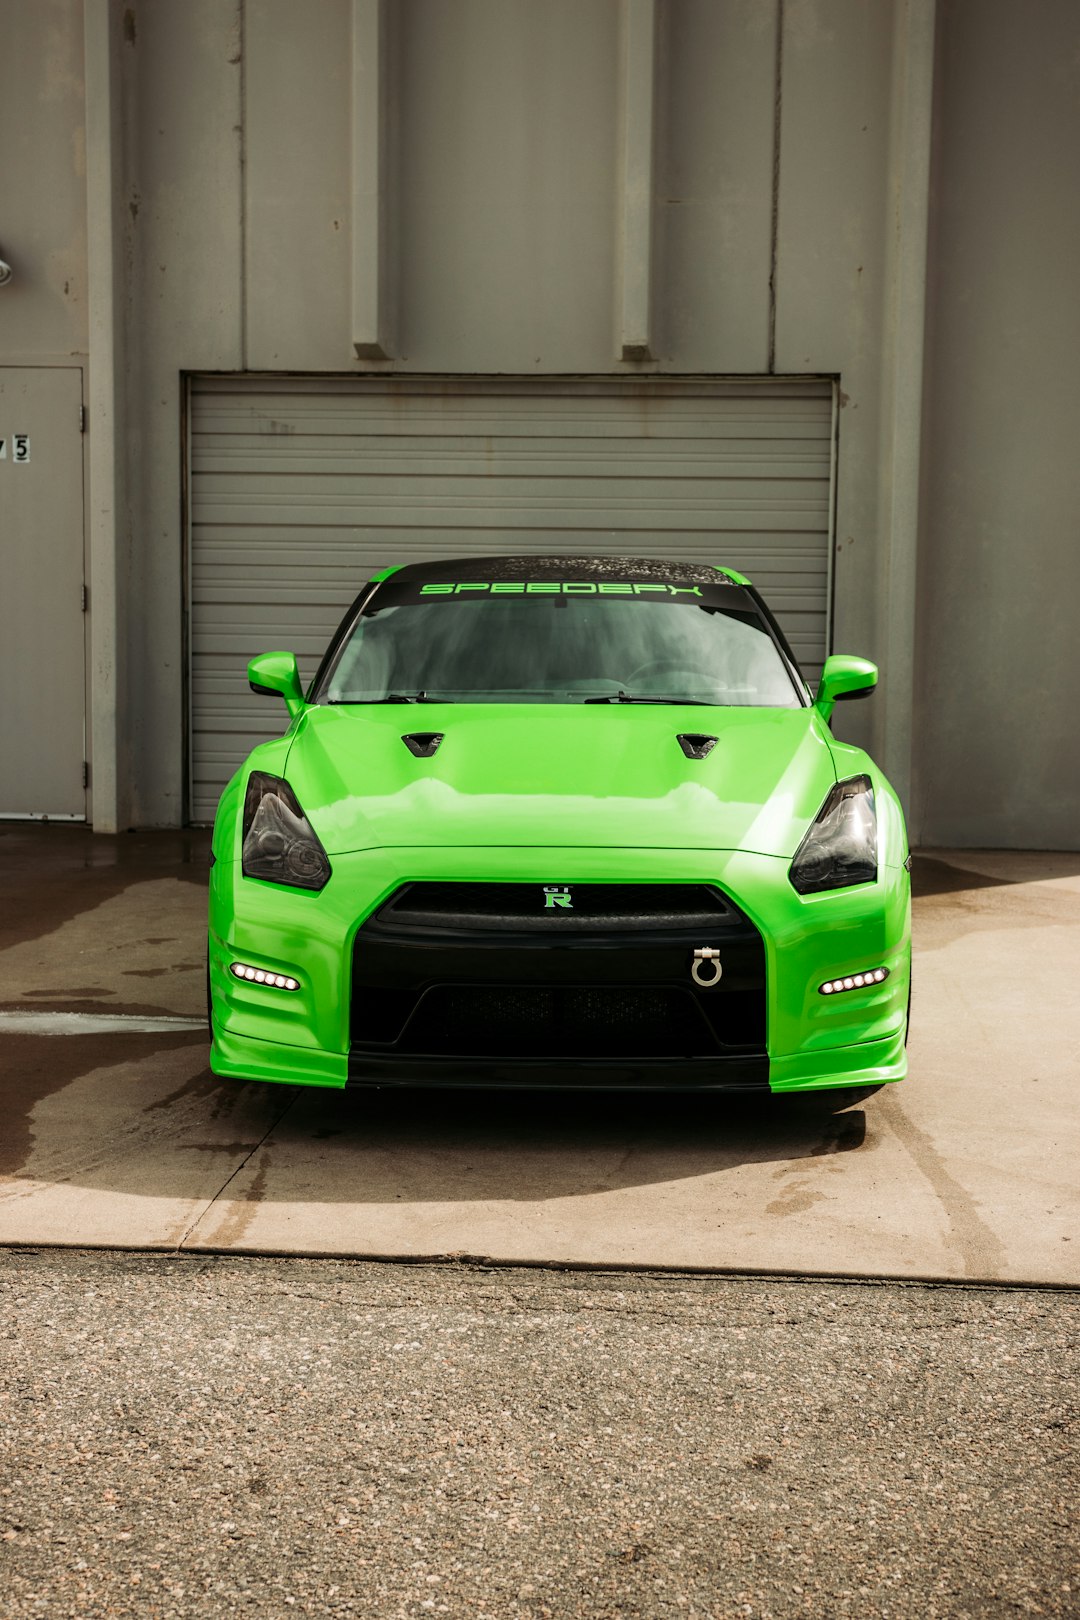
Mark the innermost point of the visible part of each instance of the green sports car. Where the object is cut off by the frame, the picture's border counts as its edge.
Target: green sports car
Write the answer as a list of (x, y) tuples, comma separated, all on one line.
[(560, 821)]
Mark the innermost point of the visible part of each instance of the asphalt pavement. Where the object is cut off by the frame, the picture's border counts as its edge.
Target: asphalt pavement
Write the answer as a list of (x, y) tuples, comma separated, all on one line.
[(204, 1436)]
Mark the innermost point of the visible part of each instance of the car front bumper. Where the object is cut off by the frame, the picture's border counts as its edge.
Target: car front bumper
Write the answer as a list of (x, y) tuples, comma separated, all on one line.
[(314, 1035)]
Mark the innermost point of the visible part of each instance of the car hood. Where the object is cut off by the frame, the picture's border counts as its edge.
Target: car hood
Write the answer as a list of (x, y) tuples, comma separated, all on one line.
[(597, 775)]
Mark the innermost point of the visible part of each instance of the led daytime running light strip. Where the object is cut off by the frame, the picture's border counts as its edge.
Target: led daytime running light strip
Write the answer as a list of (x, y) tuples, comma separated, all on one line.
[(854, 981), (254, 975)]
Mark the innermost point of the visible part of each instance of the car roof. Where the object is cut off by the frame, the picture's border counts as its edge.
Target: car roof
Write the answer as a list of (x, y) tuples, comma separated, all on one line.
[(669, 570)]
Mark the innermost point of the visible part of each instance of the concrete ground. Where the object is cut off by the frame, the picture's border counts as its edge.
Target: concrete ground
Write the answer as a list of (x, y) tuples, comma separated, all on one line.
[(117, 1134)]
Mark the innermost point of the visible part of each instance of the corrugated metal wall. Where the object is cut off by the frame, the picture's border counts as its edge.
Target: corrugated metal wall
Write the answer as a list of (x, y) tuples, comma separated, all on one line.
[(300, 488)]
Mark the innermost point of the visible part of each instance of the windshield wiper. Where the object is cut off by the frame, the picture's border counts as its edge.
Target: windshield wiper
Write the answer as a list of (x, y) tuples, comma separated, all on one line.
[(632, 697), (394, 697)]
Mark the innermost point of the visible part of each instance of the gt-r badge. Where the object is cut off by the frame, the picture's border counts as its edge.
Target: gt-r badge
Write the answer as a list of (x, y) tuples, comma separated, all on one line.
[(706, 969), (556, 894)]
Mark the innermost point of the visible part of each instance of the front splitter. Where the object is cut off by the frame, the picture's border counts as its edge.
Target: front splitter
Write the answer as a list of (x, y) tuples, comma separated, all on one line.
[(746, 1074)]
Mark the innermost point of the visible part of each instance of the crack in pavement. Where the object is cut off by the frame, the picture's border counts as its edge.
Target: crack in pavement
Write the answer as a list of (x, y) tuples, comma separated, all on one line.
[(231, 1237)]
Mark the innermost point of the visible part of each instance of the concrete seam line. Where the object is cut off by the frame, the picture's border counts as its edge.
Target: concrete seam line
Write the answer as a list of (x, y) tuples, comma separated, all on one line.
[(482, 1263), (274, 1123)]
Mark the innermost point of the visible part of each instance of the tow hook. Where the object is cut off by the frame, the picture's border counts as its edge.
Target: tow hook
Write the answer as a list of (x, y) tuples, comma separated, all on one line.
[(706, 962)]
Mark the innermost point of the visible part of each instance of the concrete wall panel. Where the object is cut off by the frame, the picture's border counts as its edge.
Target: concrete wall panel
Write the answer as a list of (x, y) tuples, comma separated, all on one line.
[(297, 144), (1000, 575), (506, 184), (715, 184), (836, 89), (43, 217), (835, 113), (185, 207)]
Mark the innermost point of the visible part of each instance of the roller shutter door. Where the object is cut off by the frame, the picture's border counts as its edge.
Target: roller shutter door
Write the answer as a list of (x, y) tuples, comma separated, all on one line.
[(300, 488)]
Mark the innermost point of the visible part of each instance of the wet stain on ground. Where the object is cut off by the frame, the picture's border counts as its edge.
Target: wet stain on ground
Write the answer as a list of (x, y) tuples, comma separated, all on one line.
[(234, 1227), (226, 1094), (843, 1134), (200, 1085), (795, 1200), (229, 1093), (161, 972), (110, 1009), (72, 993), (52, 873), (981, 1252), (38, 1066), (229, 1148)]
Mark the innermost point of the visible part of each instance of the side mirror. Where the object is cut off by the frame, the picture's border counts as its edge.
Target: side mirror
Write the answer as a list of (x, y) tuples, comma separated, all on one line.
[(844, 677), (274, 674)]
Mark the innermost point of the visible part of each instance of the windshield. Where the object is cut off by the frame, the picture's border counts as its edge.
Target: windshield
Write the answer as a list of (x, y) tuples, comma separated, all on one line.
[(549, 641)]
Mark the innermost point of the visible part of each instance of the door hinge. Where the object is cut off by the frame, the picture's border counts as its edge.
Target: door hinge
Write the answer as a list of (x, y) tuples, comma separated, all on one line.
[(82, 418), (85, 598), (86, 773)]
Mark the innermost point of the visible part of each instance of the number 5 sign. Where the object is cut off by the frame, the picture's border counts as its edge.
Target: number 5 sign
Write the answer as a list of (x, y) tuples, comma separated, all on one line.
[(20, 447)]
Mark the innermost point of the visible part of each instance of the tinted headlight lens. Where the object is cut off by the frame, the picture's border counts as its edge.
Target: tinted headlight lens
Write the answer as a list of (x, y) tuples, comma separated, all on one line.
[(841, 847), (280, 844)]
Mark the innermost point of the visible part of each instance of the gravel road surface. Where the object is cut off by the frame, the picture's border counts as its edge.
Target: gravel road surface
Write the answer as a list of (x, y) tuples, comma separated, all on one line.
[(216, 1436)]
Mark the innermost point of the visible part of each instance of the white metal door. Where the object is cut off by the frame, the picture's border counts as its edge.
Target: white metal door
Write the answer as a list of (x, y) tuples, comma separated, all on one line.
[(301, 487), (42, 657)]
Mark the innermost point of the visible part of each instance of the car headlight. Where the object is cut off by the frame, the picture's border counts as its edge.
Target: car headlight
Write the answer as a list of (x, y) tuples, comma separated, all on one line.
[(841, 846), (280, 843)]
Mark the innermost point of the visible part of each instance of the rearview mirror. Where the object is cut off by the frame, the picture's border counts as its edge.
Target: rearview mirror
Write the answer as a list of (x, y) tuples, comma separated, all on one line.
[(274, 674), (844, 677)]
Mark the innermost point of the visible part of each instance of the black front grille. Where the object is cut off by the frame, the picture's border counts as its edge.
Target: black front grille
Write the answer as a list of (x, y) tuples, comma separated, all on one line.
[(557, 1021), (460, 971), (539, 907)]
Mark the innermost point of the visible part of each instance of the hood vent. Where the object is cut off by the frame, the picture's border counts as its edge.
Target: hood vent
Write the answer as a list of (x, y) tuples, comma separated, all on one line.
[(696, 745), (423, 743)]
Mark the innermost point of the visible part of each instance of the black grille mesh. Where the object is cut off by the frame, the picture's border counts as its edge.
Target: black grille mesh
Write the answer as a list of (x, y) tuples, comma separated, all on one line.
[(489, 970), (603, 1021), (504, 907)]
